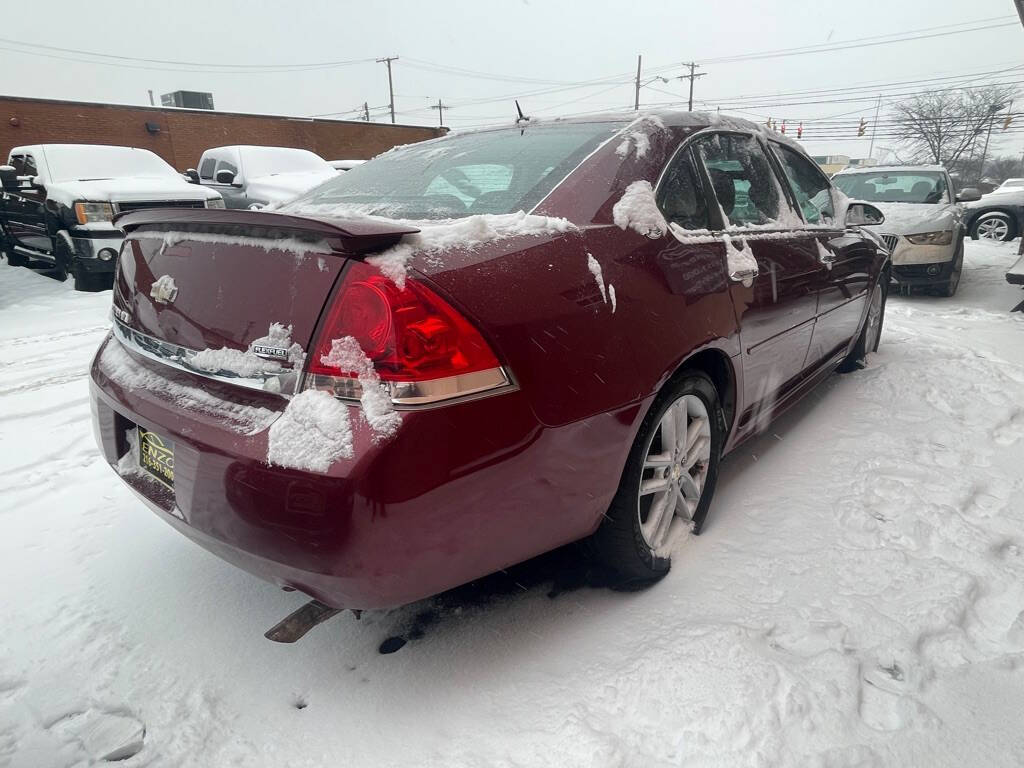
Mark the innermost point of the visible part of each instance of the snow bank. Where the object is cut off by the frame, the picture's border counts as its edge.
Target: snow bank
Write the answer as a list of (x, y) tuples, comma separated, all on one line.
[(121, 368), (311, 434), (347, 355), (637, 210), (468, 232)]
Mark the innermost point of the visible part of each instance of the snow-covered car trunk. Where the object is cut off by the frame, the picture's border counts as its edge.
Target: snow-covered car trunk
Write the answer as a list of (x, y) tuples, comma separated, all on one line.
[(233, 293)]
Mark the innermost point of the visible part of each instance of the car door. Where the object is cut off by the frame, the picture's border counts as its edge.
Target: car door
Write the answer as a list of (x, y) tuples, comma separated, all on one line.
[(23, 208), (775, 307), (848, 257)]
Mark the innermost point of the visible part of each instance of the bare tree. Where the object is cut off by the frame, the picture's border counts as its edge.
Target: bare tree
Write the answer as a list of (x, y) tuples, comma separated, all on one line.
[(946, 125), (1002, 168)]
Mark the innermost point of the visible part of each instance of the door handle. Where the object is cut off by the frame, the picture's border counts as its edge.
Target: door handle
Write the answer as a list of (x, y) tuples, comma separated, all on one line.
[(745, 276)]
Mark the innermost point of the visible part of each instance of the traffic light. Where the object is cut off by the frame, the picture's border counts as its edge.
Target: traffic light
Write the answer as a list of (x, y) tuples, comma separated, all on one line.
[(800, 130), (862, 127)]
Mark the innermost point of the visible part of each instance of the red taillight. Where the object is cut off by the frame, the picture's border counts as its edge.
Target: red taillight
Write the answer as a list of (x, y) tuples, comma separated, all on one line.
[(410, 334)]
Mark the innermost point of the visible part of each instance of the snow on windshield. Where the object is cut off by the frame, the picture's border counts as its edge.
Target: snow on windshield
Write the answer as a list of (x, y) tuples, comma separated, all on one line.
[(81, 162), (894, 186), (269, 161), (487, 172)]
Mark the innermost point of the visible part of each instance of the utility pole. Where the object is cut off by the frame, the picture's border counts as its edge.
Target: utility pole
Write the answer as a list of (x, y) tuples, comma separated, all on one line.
[(366, 111), (391, 90), (874, 126), (636, 98), (991, 119), (440, 112), (691, 77), (151, 103), (1020, 10)]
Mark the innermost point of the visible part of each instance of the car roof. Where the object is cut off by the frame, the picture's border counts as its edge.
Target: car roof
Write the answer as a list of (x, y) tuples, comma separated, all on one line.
[(892, 168)]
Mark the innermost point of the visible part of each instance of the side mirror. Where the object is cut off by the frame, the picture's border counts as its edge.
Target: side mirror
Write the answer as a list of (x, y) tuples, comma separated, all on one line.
[(9, 178), (968, 195), (191, 175), (224, 176), (863, 215)]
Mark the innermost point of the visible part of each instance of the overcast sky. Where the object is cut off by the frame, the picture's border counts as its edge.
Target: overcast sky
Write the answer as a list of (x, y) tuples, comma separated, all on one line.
[(538, 51)]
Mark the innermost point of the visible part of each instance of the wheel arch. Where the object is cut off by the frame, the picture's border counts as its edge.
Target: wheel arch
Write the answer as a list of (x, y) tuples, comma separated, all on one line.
[(717, 366)]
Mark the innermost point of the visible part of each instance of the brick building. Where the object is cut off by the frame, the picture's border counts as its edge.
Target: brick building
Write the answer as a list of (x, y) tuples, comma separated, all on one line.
[(179, 136)]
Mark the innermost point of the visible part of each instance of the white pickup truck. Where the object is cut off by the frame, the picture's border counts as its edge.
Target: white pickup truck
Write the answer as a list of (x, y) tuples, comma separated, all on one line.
[(59, 201), (252, 177)]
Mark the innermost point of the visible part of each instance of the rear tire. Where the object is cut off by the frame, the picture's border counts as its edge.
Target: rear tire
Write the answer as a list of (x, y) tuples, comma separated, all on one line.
[(668, 481), (871, 333)]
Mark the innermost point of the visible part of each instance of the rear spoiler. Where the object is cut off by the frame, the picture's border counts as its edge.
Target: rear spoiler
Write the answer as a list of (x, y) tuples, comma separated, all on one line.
[(349, 235)]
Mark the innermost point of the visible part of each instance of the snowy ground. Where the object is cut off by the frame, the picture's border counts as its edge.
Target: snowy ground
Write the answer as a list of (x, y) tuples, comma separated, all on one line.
[(857, 598)]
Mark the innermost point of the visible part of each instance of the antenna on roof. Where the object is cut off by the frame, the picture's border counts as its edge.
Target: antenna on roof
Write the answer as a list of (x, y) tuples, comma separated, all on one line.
[(522, 118)]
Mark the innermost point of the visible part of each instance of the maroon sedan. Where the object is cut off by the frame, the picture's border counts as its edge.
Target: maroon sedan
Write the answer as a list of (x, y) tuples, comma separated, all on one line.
[(473, 350)]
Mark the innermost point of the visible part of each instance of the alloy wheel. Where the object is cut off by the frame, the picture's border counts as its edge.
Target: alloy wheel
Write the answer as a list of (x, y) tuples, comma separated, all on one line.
[(993, 229), (675, 470)]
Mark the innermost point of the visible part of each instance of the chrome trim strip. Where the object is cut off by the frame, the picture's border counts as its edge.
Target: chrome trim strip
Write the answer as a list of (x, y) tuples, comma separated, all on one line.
[(284, 382), (417, 395), (405, 396)]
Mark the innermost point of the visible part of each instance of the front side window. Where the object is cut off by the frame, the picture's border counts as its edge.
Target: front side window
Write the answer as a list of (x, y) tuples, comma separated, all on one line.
[(496, 171), (894, 186), (224, 165), (680, 196), (30, 166), (742, 178), (17, 162), (812, 190)]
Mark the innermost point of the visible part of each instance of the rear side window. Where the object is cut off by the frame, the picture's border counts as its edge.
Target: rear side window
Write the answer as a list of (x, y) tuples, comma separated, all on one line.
[(206, 168), (812, 190), (680, 196), (30, 166), (742, 178)]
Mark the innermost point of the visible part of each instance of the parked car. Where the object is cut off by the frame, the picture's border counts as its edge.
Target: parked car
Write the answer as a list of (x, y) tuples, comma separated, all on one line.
[(999, 215), (252, 177), (345, 165), (1016, 183), (59, 201), (375, 408), (924, 228)]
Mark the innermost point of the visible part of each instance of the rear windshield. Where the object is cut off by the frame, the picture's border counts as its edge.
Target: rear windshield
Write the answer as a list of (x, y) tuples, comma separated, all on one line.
[(501, 171), (894, 186), (85, 162)]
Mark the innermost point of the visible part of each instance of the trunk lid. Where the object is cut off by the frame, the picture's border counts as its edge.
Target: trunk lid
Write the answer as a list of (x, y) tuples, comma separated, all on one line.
[(206, 280)]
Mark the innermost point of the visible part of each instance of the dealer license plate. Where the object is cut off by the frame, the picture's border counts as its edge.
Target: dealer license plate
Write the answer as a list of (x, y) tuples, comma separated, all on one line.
[(156, 456)]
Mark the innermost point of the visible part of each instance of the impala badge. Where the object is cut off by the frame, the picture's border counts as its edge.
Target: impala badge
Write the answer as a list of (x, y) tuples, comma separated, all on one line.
[(164, 291), (275, 353)]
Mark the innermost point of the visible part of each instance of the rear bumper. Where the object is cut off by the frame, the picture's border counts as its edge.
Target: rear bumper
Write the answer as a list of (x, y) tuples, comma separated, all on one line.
[(460, 492)]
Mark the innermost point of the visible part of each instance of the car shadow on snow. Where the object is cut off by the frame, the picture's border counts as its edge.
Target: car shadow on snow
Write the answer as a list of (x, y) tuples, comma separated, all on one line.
[(554, 574)]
